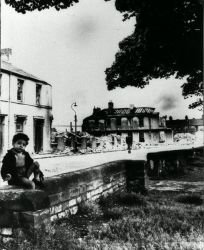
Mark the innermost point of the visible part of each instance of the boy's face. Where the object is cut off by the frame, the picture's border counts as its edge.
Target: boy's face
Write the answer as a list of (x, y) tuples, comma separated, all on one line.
[(20, 144)]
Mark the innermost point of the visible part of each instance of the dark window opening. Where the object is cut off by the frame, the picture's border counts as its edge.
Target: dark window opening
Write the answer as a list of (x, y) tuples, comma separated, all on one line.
[(141, 137), (20, 90), (0, 83), (38, 93), (141, 122)]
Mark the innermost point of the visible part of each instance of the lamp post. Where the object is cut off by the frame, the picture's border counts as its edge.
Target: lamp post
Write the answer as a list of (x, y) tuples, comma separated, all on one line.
[(75, 125)]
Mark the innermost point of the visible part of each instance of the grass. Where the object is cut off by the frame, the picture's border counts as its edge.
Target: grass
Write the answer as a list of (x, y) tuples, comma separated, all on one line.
[(129, 221), (156, 221)]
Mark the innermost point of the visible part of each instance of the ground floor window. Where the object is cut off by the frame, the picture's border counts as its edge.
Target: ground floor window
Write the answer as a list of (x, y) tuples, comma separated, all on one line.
[(1, 132), (141, 137)]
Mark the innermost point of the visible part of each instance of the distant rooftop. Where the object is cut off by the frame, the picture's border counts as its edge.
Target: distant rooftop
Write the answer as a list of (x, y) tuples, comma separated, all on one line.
[(8, 67), (135, 110)]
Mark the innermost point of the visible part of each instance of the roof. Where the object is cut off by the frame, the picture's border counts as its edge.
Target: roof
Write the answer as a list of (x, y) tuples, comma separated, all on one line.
[(8, 67), (97, 112), (138, 110)]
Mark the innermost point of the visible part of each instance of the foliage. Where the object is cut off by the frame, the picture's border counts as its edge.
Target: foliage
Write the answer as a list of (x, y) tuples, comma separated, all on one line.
[(167, 41), (190, 199), (160, 223), (23, 6)]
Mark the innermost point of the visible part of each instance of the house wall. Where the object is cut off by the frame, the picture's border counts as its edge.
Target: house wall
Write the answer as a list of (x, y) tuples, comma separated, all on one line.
[(11, 107)]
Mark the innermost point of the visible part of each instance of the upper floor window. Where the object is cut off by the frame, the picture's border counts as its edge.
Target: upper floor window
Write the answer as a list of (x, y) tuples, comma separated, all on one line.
[(141, 122), (20, 90), (20, 121), (118, 121), (38, 93)]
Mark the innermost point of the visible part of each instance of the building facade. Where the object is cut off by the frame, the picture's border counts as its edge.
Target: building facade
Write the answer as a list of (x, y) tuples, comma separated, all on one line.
[(186, 125), (25, 106), (142, 123)]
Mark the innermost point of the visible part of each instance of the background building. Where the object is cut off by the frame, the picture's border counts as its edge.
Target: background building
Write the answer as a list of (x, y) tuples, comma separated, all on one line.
[(185, 125), (143, 124), (25, 106)]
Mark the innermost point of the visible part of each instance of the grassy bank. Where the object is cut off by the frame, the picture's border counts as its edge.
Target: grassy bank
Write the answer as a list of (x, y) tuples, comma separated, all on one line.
[(159, 220)]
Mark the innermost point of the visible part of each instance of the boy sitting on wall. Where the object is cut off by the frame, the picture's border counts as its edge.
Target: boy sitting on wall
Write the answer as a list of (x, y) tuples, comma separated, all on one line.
[(18, 166)]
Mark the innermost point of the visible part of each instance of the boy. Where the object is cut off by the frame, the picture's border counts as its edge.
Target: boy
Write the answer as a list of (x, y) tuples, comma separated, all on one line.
[(18, 165)]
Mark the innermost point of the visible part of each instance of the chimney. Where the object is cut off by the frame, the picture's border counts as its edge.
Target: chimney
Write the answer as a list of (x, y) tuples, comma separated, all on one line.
[(6, 54), (110, 105)]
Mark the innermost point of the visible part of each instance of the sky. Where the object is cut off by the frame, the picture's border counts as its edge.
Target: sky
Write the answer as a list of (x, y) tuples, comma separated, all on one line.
[(71, 49)]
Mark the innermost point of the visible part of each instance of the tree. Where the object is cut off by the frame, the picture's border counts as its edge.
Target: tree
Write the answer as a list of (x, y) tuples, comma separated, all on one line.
[(167, 41), (22, 6)]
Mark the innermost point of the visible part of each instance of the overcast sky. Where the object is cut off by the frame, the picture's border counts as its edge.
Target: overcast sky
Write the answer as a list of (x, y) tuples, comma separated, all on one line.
[(71, 48)]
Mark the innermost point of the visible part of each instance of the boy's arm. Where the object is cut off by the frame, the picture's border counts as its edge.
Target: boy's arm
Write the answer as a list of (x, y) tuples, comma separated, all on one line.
[(5, 169), (29, 160)]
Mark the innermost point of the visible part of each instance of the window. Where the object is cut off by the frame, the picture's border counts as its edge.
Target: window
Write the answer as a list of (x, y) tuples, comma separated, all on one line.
[(20, 90), (20, 121), (38, 93), (141, 137), (118, 121), (0, 83), (19, 126), (141, 122)]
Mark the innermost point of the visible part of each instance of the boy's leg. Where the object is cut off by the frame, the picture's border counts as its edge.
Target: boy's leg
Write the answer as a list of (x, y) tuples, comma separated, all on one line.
[(34, 168), (26, 183)]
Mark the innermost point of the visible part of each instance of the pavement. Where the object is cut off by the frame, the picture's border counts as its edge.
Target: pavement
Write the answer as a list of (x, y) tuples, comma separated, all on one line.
[(57, 164)]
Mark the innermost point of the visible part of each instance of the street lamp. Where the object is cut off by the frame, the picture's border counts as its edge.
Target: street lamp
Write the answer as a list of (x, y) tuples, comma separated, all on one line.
[(75, 124)]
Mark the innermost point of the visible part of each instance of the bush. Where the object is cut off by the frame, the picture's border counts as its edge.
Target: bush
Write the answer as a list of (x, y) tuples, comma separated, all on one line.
[(113, 213), (130, 199), (89, 208), (122, 198), (190, 199)]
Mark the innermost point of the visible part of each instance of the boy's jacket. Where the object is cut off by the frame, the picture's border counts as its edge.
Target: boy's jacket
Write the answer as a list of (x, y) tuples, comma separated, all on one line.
[(9, 164)]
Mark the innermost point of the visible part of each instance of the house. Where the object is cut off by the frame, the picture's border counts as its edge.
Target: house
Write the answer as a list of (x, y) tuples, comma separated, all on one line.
[(143, 124), (185, 125), (25, 106)]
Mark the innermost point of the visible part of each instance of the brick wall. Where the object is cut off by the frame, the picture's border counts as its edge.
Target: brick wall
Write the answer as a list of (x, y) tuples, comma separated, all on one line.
[(27, 209)]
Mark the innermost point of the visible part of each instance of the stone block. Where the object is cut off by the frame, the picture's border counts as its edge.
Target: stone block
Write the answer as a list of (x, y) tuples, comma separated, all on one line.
[(89, 186), (73, 210), (62, 215), (65, 205), (82, 188), (23, 200), (6, 231), (55, 198), (88, 195), (58, 208), (74, 192), (72, 202), (79, 199), (53, 218), (34, 219)]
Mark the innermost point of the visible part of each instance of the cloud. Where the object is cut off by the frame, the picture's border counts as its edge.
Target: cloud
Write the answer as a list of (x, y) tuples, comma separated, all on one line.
[(167, 101)]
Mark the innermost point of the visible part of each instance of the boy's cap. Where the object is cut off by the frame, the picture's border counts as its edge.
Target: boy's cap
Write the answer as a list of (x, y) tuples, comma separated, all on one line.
[(20, 136)]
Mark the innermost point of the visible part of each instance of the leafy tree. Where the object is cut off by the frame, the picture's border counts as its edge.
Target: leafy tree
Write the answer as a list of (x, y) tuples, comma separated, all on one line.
[(167, 41), (22, 6)]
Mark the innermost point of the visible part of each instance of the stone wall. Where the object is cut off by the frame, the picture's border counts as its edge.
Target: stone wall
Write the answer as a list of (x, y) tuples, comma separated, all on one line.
[(27, 210), (170, 163)]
